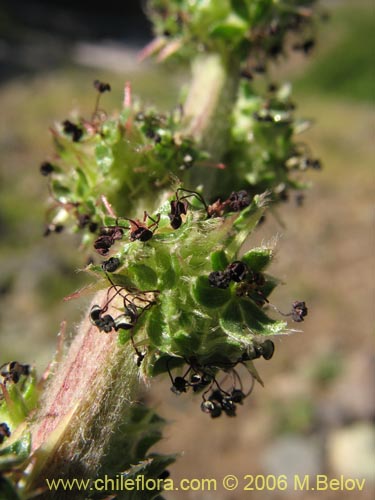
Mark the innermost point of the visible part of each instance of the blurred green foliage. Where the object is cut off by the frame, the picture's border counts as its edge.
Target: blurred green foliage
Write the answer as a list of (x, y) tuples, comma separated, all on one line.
[(345, 68)]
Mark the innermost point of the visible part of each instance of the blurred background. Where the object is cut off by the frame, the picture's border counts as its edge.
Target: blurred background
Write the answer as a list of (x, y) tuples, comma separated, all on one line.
[(316, 413)]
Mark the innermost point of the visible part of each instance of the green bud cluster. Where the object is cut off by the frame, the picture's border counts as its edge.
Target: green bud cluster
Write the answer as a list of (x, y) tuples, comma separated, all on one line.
[(189, 317), (128, 159), (248, 28), (263, 135), (169, 200)]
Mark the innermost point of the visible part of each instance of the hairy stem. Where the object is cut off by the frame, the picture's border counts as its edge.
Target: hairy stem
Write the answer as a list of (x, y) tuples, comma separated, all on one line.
[(85, 401), (94, 386), (208, 108)]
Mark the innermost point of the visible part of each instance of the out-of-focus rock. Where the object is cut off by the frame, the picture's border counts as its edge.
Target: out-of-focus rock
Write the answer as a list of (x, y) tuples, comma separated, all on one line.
[(291, 455), (351, 451), (352, 396)]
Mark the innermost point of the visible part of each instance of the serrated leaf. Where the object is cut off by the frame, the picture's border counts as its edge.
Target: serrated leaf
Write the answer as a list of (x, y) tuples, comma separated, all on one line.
[(249, 217), (156, 327), (219, 260), (165, 362), (144, 276), (231, 320), (258, 322), (257, 258), (183, 343), (209, 296), (270, 284), (232, 323), (166, 272)]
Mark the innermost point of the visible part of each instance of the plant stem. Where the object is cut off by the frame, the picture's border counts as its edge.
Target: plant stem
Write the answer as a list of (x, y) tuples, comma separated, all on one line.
[(93, 388), (208, 108), (84, 403)]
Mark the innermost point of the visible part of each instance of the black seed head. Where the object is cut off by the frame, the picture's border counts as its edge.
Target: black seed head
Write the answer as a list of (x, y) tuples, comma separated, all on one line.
[(228, 406), (316, 164), (123, 324), (299, 311), (111, 265), (175, 220), (219, 279), (46, 168), (212, 408), (237, 396), (101, 86), (207, 406), (4, 432), (106, 323), (131, 311), (237, 271), (257, 352), (83, 220), (72, 129), (102, 244), (179, 385), (164, 475), (141, 234), (238, 200), (216, 395), (95, 313), (179, 207), (195, 379), (267, 349)]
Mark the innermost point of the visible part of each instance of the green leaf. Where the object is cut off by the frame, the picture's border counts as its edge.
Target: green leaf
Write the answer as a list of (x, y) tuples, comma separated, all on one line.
[(258, 322), (59, 190), (82, 184), (164, 362), (249, 217), (7, 490), (15, 453), (166, 272), (269, 286), (219, 260), (104, 157), (123, 336), (184, 344), (232, 323), (144, 276), (254, 372), (228, 32), (110, 131), (241, 9), (257, 258), (155, 326), (231, 29), (209, 296), (258, 10)]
